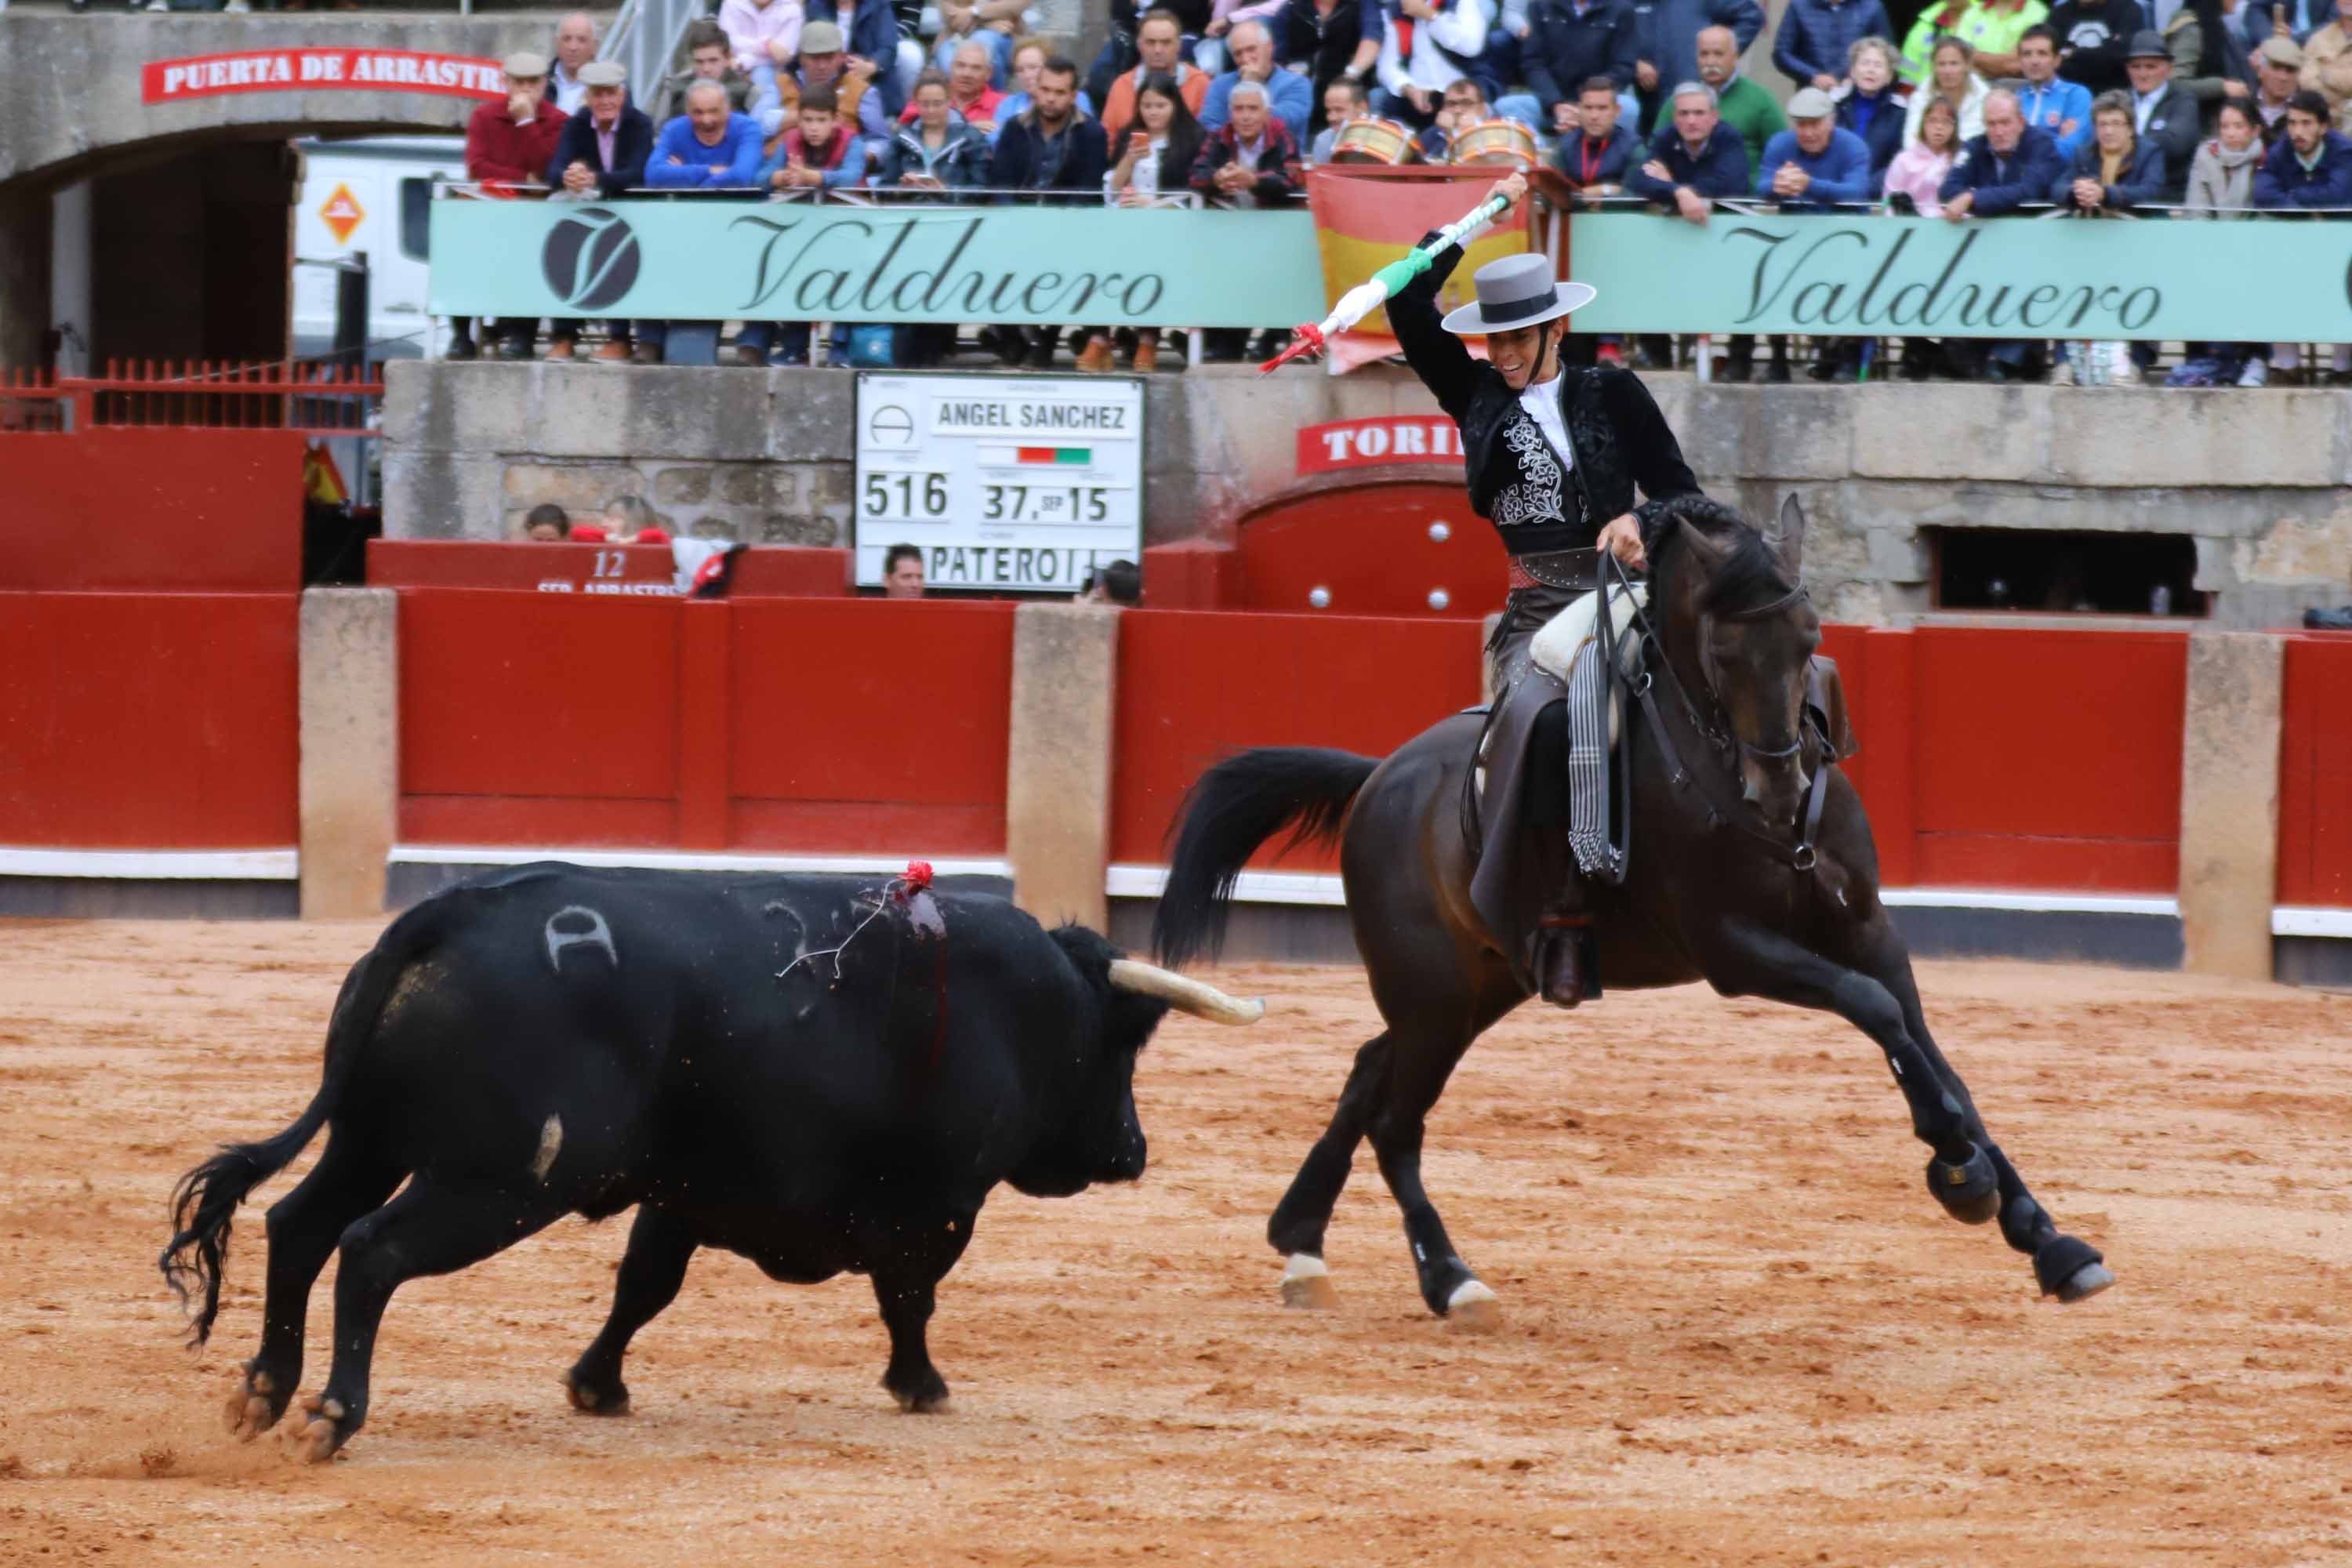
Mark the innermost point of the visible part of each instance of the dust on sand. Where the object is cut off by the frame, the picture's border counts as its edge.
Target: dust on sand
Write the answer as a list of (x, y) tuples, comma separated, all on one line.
[(1737, 1329)]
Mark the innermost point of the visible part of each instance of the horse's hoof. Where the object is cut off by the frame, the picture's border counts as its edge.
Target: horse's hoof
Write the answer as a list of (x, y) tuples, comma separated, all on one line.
[(2071, 1269), (313, 1438), (248, 1413), (1474, 1309), (1307, 1284), (594, 1401), (1970, 1191)]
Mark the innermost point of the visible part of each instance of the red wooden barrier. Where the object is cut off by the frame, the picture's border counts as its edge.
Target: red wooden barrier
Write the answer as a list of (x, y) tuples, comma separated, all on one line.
[(312, 399), (1372, 549), (1192, 686), (2316, 773), (595, 570), (840, 727), (214, 511), (2047, 759), (149, 720)]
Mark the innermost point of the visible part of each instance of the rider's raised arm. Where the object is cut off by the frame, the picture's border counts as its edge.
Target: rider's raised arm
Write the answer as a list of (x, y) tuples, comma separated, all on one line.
[(1436, 355)]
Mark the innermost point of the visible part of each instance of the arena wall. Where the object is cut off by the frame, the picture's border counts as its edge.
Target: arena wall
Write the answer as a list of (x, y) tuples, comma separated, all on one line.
[(766, 456)]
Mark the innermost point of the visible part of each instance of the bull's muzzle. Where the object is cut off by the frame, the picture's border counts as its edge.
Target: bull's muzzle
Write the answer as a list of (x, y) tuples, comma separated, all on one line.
[(1184, 993)]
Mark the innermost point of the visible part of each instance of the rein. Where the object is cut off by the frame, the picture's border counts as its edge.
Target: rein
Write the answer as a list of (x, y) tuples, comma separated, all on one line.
[(1800, 856)]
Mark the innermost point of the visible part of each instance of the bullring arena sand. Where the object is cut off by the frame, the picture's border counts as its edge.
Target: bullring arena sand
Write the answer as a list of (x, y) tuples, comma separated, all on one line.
[(1737, 1329)]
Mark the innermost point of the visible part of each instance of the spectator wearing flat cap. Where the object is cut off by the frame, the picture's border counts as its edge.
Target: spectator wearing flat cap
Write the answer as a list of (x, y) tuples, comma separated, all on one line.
[(2278, 71), (509, 141), (827, 62), (2094, 38), (1813, 167), (2162, 110), (2328, 60), (602, 153)]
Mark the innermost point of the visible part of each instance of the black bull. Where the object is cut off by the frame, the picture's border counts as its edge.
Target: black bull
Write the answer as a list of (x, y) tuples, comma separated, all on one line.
[(814, 1073)]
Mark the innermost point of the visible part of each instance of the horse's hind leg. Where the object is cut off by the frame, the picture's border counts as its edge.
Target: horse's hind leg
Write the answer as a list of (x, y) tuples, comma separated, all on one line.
[(303, 1228), (1300, 1218), (1423, 1046)]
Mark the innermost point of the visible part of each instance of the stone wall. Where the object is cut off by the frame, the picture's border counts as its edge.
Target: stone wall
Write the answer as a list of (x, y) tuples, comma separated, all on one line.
[(2255, 477)]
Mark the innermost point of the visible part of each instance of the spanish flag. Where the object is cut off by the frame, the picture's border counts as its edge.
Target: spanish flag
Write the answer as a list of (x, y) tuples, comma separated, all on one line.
[(1364, 220), (322, 480)]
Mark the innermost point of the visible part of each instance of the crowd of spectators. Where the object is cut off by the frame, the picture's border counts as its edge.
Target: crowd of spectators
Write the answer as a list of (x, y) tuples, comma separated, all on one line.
[(2094, 108)]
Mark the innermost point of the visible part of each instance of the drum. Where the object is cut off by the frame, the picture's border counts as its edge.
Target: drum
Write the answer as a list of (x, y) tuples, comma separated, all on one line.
[(1370, 140), (1501, 142)]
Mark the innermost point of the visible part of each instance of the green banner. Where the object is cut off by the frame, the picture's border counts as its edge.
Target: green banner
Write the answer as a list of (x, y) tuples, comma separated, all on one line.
[(2256, 280), (796, 261)]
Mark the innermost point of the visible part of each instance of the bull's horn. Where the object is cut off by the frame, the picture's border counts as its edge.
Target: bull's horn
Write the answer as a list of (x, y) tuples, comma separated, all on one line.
[(1184, 993)]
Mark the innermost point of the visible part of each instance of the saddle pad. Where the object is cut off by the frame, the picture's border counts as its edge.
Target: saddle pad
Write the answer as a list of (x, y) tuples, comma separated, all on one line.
[(1555, 648)]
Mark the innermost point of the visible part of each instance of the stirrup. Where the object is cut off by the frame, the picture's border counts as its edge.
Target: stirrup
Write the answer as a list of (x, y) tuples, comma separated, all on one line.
[(1560, 958)]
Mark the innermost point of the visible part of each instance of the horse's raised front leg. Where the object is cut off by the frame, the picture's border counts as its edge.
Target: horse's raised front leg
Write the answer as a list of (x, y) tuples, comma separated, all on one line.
[(1967, 1173)]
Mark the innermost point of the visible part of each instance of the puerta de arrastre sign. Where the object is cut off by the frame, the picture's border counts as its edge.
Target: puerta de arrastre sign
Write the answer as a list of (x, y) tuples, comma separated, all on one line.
[(1002, 482)]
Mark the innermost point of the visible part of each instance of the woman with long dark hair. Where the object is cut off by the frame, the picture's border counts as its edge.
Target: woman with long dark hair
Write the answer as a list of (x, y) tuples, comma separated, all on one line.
[(1154, 163)]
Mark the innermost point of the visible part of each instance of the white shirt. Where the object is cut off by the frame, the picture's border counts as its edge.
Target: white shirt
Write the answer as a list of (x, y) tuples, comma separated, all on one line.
[(2143, 104), (568, 91), (1541, 400)]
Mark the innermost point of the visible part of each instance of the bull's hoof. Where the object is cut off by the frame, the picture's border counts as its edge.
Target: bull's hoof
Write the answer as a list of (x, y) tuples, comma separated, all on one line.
[(252, 1408), (925, 1395), (315, 1434), (1307, 1284), (596, 1401), (2071, 1269), (1970, 1191), (1474, 1309)]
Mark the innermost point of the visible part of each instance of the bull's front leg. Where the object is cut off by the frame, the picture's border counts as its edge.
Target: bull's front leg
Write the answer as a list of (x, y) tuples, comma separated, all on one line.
[(906, 1281), (1967, 1174)]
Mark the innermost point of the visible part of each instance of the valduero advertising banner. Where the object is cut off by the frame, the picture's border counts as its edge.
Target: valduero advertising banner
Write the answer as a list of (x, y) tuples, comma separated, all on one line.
[(2256, 279), (701, 259), (1005, 483)]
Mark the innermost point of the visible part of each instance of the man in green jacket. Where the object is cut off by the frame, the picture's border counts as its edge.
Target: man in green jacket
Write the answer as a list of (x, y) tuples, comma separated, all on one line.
[(1741, 103)]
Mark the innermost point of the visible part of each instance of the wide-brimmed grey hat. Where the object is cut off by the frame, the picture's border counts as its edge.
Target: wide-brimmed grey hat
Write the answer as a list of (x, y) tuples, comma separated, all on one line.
[(1514, 292), (2147, 43)]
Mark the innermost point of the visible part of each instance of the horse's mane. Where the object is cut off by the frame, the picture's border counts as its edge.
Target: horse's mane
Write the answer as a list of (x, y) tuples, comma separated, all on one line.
[(1748, 569)]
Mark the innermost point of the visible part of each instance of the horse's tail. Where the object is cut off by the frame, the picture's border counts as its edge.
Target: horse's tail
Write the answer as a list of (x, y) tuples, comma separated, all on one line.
[(1231, 810), (206, 1200)]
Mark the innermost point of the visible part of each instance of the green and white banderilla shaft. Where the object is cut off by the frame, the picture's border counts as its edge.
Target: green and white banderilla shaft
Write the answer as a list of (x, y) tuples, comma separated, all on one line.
[(1382, 286)]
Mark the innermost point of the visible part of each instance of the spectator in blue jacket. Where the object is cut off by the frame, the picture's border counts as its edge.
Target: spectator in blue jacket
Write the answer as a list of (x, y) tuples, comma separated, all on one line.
[(709, 147), (1252, 49), (2312, 166), (1867, 106), (2048, 100), (2010, 164), (1703, 159), (1815, 36), (1669, 43), (1568, 45), (1813, 165), (2115, 171)]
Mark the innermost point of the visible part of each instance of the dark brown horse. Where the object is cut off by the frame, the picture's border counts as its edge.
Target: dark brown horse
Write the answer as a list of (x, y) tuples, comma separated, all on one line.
[(1731, 882)]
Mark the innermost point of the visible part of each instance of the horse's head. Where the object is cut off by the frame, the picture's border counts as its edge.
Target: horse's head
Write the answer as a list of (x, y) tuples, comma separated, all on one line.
[(1742, 618)]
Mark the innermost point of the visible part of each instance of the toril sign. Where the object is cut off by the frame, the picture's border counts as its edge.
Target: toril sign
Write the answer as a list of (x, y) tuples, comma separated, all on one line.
[(1374, 443)]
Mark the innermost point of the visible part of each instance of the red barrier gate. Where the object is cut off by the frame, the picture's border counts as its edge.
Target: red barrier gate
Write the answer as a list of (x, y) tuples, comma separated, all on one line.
[(2315, 863)]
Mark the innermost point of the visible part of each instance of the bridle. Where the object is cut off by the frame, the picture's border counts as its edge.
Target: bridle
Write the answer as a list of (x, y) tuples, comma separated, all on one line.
[(1724, 738)]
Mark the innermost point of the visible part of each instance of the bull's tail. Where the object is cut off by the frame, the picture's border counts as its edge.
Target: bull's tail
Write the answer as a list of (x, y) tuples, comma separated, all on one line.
[(206, 1200), (1227, 814)]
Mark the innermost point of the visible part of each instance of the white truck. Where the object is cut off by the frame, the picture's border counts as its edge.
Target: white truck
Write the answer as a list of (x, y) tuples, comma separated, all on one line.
[(370, 195)]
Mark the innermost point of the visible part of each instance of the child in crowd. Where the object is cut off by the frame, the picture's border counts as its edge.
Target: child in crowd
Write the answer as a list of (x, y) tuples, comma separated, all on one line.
[(819, 151)]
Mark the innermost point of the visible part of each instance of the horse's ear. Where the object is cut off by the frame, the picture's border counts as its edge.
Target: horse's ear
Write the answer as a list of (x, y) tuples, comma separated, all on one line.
[(1786, 537)]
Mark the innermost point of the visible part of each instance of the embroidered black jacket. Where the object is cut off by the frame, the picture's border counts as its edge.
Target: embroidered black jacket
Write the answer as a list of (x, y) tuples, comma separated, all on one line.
[(1619, 439)]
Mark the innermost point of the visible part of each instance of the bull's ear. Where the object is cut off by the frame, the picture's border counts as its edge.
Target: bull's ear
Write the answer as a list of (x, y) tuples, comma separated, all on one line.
[(1785, 538)]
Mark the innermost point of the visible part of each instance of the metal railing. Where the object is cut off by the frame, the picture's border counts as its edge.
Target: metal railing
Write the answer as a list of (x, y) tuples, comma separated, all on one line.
[(644, 40), (308, 398)]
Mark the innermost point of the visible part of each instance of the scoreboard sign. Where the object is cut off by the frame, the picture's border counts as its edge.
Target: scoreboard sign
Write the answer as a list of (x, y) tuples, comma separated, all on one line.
[(1002, 482)]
